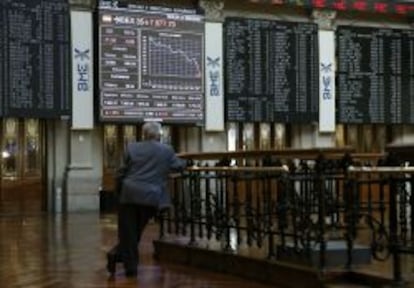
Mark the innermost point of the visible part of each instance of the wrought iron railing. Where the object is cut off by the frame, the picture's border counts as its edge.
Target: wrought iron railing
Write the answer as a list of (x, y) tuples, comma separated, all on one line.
[(381, 199), (297, 208)]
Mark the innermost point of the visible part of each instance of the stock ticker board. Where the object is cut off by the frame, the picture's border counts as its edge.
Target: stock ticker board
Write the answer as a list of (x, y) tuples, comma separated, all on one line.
[(402, 7), (35, 58), (271, 71), (375, 75), (151, 66)]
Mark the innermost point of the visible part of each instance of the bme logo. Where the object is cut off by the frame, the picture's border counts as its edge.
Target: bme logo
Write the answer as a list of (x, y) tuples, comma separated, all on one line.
[(214, 75), (82, 55), (213, 63), (82, 60), (326, 69)]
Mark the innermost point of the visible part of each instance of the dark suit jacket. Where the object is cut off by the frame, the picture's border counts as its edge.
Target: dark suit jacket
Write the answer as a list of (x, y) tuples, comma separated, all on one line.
[(144, 174)]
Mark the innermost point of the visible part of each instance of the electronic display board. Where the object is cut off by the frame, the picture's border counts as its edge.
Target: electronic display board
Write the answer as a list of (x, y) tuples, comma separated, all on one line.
[(375, 75), (271, 71), (35, 58), (151, 65), (372, 6)]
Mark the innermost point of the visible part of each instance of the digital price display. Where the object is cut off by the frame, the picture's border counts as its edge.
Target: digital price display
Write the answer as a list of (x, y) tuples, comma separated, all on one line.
[(389, 7), (35, 58), (271, 71), (151, 66), (375, 75)]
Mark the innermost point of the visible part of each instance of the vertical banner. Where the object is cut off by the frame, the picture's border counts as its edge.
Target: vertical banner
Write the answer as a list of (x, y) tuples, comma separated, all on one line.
[(214, 113), (82, 70), (326, 81)]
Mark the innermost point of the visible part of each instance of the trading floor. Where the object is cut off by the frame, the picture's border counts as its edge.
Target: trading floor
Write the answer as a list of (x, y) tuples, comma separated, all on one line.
[(69, 251)]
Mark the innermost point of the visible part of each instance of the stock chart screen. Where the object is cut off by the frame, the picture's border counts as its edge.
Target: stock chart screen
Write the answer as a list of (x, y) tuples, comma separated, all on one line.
[(150, 66)]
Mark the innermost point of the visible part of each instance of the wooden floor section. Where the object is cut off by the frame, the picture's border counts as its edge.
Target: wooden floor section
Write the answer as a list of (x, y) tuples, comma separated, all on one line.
[(69, 251), (66, 251)]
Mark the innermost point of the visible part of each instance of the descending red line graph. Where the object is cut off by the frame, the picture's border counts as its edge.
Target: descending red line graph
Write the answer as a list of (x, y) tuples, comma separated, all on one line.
[(180, 52), (173, 55)]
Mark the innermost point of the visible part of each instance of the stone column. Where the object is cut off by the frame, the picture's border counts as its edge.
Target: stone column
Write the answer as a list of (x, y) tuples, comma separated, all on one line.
[(213, 141), (57, 161), (325, 20), (84, 172)]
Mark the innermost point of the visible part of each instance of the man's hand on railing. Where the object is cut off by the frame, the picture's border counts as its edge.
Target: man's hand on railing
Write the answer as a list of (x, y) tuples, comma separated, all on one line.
[(190, 162)]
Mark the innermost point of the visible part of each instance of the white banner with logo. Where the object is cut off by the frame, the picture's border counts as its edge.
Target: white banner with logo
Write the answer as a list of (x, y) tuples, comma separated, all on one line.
[(82, 70), (326, 81), (214, 106)]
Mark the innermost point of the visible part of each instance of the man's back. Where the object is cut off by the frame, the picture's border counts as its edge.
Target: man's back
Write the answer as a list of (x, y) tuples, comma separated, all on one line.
[(149, 161), (147, 166)]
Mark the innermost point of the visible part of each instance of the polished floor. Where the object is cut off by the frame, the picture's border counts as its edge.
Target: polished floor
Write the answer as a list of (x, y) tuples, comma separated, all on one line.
[(65, 251), (69, 251)]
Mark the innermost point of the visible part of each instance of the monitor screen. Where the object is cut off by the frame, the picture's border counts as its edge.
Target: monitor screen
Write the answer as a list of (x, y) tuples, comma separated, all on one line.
[(151, 66)]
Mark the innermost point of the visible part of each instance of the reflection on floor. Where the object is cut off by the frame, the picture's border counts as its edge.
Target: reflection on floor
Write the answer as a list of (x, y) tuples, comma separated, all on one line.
[(69, 251)]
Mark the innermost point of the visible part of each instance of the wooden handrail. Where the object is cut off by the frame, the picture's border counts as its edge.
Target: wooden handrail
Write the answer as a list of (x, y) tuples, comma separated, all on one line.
[(283, 168), (381, 170), (329, 153)]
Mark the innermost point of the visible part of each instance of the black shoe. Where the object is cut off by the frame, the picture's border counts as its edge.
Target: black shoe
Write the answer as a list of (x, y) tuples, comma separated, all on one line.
[(131, 273), (111, 263)]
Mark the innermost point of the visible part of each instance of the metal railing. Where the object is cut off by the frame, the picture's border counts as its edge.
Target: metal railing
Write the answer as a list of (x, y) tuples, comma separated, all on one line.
[(297, 209), (382, 198)]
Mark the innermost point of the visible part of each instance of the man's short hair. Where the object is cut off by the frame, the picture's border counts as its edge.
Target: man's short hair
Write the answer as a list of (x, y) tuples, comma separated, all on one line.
[(151, 131)]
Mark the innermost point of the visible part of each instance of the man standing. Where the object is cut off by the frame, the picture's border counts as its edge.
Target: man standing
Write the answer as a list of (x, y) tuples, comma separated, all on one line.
[(143, 181)]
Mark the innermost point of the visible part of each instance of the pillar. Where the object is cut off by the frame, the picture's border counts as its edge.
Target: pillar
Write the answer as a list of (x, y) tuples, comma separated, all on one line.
[(324, 133), (84, 171), (214, 134)]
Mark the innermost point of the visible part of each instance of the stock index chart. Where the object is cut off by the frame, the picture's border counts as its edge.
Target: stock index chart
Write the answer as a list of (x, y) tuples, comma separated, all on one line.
[(150, 66), (171, 60)]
